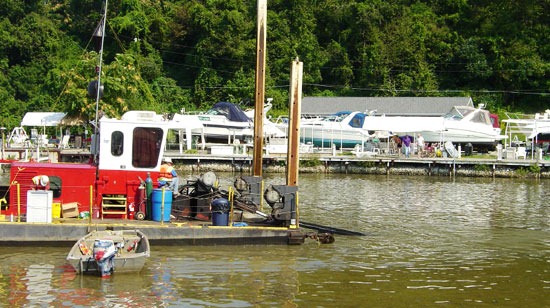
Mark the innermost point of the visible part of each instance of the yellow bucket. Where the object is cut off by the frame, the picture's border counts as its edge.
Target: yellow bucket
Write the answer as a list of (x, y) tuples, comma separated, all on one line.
[(56, 210)]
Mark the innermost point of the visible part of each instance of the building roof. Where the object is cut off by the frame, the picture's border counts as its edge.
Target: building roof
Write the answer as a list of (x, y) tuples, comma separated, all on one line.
[(394, 106)]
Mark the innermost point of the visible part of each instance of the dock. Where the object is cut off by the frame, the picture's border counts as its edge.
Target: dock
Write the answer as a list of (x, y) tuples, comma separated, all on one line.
[(376, 164)]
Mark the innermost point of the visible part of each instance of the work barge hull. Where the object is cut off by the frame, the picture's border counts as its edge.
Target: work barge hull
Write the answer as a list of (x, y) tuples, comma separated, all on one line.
[(66, 232)]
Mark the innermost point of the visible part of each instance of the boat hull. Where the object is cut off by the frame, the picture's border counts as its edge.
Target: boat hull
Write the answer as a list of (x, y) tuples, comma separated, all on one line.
[(120, 265), (321, 137), (460, 136), (132, 250), (227, 133)]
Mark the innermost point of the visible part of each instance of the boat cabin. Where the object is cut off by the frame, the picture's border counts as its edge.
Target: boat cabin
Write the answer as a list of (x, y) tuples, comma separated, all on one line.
[(129, 149)]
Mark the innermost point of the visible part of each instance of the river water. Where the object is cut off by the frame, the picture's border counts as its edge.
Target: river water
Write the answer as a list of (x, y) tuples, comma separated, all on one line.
[(431, 242)]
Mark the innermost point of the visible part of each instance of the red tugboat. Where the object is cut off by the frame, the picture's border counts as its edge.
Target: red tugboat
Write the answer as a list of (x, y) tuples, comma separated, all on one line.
[(130, 149)]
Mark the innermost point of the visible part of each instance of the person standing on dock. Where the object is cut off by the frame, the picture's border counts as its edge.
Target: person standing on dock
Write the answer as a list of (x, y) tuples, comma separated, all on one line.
[(396, 144), (407, 145), (420, 145), (169, 175)]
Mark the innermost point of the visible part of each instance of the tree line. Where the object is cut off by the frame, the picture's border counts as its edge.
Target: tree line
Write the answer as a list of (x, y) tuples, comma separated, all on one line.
[(174, 55)]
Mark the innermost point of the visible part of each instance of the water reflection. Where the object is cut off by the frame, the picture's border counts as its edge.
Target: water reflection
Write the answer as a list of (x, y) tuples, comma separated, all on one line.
[(39, 283), (432, 241)]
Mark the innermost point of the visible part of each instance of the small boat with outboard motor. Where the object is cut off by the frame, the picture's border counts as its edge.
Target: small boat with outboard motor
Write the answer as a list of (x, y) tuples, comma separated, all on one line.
[(104, 252)]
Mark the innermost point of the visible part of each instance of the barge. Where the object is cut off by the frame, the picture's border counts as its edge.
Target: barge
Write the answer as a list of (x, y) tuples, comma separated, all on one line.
[(56, 203)]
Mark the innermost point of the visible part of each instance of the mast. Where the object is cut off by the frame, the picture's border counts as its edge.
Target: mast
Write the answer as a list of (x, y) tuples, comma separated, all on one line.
[(101, 30)]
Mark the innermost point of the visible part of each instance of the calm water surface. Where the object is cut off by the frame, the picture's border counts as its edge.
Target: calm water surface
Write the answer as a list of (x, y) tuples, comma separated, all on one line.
[(432, 242)]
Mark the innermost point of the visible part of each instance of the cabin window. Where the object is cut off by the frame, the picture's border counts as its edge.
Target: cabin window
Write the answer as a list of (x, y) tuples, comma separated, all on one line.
[(146, 146), (480, 118), (357, 121), (55, 186), (117, 143)]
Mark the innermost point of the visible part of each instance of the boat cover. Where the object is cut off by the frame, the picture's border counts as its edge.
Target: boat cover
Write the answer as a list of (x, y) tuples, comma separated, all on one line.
[(231, 111)]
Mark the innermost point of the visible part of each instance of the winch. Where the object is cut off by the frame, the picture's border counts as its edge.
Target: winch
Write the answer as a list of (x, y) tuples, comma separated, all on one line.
[(282, 199)]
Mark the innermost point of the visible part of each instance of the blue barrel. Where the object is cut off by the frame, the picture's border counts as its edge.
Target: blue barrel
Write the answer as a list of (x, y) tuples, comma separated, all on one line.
[(220, 212), (157, 205), (220, 219)]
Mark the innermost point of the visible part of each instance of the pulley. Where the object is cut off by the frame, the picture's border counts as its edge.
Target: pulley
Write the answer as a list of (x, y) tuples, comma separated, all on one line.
[(92, 89), (271, 195)]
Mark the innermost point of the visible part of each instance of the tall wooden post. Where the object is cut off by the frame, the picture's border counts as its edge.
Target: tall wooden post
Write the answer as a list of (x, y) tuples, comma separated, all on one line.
[(294, 123), (260, 88)]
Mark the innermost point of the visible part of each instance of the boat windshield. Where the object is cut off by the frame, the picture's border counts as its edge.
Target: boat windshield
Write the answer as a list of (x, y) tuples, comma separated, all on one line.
[(457, 114), (218, 111), (337, 117), (333, 118)]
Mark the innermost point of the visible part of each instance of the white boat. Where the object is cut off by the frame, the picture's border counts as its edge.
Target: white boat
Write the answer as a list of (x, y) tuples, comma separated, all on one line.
[(344, 130), (226, 122), (105, 252), (461, 125)]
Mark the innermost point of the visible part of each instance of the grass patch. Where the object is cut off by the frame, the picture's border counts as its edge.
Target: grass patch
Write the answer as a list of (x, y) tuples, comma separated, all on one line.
[(311, 162), (366, 164), (528, 171), (482, 168), (534, 169), (481, 156)]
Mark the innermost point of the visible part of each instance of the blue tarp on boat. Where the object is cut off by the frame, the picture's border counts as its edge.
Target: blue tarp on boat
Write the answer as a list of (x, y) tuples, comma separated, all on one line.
[(231, 111)]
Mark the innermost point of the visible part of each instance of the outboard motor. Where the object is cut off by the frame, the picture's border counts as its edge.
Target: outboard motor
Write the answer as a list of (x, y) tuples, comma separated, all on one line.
[(282, 200), (104, 253)]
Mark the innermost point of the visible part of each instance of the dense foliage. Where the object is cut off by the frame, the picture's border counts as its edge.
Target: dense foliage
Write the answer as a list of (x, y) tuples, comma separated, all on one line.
[(167, 55)]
